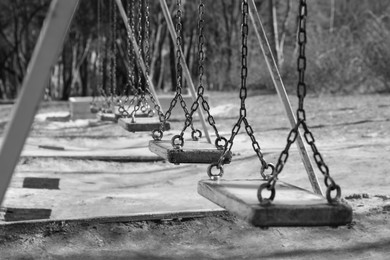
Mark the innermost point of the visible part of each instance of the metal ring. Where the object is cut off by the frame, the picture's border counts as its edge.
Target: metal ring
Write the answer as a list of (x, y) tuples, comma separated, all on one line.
[(329, 195), (263, 168), (125, 114), (217, 142), (194, 137), (144, 108), (266, 201), (157, 134), (214, 177), (177, 145), (151, 113)]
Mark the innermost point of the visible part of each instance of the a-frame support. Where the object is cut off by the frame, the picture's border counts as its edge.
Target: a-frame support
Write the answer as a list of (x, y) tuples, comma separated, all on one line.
[(52, 36), (44, 57), (281, 90)]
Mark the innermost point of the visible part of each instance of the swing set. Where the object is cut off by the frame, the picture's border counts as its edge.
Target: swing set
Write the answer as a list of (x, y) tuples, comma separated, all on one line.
[(263, 202)]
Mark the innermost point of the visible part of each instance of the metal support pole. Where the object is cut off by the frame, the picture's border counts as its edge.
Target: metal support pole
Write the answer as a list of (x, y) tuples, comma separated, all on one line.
[(45, 55), (186, 71), (136, 50), (273, 69)]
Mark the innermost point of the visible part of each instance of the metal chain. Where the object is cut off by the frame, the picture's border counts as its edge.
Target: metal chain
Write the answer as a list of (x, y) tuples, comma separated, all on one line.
[(147, 44), (134, 78), (157, 134), (220, 141), (114, 49), (243, 111), (108, 94), (141, 100), (130, 75), (104, 66), (93, 106), (147, 56), (301, 121)]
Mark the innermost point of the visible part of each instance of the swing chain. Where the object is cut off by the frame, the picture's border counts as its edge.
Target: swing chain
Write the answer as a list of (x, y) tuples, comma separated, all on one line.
[(141, 92), (93, 106), (243, 112), (147, 60), (114, 52), (157, 134), (301, 120), (147, 44), (220, 141), (130, 76), (108, 94), (130, 51), (301, 62)]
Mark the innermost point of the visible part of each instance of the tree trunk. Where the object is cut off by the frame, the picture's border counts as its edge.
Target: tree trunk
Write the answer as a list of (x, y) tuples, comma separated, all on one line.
[(67, 70)]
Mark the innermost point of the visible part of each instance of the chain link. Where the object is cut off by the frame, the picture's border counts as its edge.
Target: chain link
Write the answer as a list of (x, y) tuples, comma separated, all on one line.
[(147, 57), (105, 67), (93, 106), (114, 50), (200, 97), (107, 94), (301, 121), (141, 92), (243, 112), (157, 134), (130, 75), (139, 99), (147, 43)]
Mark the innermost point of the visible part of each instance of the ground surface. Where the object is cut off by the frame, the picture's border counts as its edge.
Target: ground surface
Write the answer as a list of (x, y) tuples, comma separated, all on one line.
[(352, 132)]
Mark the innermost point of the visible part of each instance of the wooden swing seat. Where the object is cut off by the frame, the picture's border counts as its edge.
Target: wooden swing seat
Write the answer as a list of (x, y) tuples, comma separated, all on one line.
[(137, 115), (292, 206), (107, 117), (192, 152), (147, 124)]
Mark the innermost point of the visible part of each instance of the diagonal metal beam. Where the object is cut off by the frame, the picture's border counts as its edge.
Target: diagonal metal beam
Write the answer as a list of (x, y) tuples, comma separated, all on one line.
[(281, 90), (137, 53), (45, 55)]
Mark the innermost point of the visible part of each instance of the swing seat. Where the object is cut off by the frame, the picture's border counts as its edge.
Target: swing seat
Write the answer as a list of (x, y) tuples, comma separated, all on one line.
[(137, 115), (192, 152), (292, 206), (147, 124), (108, 117)]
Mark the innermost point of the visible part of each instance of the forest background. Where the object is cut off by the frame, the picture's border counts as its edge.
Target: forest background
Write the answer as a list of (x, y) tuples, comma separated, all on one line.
[(348, 46)]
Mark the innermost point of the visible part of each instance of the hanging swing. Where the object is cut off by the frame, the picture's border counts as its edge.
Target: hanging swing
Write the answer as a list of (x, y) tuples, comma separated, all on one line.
[(137, 106), (292, 206), (190, 151), (107, 111), (100, 106), (137, 114)]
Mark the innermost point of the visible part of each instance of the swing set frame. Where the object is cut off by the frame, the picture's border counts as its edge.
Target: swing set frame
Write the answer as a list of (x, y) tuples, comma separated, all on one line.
[(46, 51)]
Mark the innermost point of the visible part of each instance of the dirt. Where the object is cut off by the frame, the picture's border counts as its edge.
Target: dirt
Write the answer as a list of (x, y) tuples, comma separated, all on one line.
[(351, 131), (218, 237)]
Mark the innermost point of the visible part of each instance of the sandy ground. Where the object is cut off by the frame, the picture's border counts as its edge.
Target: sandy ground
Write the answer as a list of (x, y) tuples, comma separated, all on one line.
[(351, 131)]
